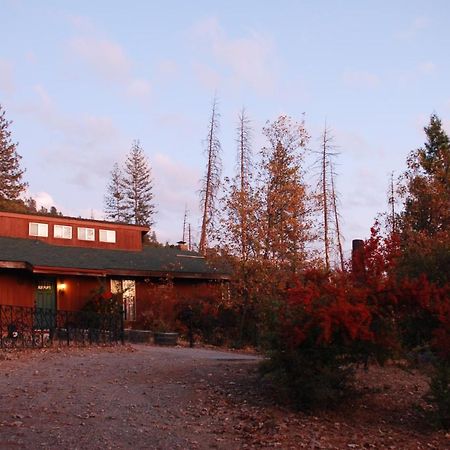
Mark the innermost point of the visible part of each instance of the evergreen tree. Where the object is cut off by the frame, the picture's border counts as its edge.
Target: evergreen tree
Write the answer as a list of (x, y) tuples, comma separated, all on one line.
[(424, 224), (11, 184), (138, 188), (115, 196), (427, 183), (283, 211)]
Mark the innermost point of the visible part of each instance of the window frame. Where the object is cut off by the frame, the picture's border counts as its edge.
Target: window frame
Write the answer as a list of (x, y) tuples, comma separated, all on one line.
[(85, 237), (63, 229), (106, 233), (40, 227)]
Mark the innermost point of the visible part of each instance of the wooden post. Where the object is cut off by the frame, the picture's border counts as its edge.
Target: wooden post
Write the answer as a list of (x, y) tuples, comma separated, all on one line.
[(358, 261)]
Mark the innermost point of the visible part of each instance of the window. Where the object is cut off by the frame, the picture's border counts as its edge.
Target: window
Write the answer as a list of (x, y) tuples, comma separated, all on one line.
[(107, 236), (127, 289), (86, 234), (62, 232), (38, 229)]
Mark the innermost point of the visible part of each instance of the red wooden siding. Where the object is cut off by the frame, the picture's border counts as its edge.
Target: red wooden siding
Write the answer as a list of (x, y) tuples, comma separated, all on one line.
[(77, 291), (17, 288), (128, 237)]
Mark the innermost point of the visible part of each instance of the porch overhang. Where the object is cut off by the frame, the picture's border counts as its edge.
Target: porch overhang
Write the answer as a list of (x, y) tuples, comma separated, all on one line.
[(46, 270)]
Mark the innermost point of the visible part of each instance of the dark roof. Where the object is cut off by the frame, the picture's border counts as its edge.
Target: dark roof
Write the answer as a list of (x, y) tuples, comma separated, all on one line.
[(39, 256)]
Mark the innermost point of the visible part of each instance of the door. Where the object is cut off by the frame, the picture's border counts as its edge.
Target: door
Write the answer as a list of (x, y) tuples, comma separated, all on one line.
[(127, 289), (45, 305)]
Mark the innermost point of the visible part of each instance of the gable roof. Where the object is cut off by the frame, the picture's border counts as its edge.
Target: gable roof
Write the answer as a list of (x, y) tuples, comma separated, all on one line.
[(40, 257)]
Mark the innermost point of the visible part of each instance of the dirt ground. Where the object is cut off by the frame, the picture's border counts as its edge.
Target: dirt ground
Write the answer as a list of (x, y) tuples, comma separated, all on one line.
[(147, 397)]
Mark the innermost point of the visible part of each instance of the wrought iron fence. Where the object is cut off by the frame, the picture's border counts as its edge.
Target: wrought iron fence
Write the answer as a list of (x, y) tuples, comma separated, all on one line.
[(22, 327)]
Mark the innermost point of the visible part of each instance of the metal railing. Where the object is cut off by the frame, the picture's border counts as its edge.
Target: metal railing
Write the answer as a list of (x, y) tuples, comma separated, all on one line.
[(22, 327)]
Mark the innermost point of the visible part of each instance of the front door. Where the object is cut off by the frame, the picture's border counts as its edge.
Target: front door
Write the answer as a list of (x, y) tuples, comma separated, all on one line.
[(45, 305)]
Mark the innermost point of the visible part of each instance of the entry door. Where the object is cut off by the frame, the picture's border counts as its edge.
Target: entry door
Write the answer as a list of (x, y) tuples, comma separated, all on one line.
[(45, 305)]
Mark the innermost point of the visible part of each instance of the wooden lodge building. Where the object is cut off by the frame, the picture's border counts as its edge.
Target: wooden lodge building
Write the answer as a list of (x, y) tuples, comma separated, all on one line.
[(57, 262)]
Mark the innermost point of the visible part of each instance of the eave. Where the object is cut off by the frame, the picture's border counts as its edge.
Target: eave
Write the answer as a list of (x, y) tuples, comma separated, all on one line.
[(15, 265), (129, 273)]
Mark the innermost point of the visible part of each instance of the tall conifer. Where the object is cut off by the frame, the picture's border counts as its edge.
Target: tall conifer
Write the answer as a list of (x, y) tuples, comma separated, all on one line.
[(115, 196), (138, 186), (11, 174)]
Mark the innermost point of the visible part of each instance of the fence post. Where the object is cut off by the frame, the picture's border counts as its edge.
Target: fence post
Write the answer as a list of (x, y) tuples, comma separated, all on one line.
[(122, 329)]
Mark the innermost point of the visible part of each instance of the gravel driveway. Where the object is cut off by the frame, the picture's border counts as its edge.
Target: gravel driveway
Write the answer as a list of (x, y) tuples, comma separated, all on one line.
[(140, 397), (147, 397)]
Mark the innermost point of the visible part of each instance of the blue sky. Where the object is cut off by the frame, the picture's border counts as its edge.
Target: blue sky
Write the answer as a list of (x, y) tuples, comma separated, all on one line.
[(81, 80)]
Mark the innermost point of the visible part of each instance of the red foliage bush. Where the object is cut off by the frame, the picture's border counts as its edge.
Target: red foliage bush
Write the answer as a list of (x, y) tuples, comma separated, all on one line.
[(323, 309)]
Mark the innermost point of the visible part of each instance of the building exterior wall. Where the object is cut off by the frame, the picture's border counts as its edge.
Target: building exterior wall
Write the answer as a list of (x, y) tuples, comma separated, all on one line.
[(73, 292), (17, 288), (128, 237)]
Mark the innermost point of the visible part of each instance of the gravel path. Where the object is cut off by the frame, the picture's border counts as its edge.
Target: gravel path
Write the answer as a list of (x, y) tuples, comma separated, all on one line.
[(140, 397), (147, 397)]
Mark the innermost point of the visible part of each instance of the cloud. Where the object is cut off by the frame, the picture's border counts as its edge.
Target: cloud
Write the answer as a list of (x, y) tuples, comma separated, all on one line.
[(83, 24), (427, 67), (248, 59), (207, 76), (44, 199), (167, 68), (6, 77), (138, 88), (360, 79), (31, 57), (84, 146), (106, 58), (416, 26), (175, 187)]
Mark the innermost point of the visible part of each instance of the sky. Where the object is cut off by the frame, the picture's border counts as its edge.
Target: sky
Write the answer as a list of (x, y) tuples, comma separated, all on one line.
[(82, 80)]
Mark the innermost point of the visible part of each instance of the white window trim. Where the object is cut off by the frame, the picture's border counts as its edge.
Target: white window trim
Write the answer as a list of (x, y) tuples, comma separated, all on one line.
[(42, 229), (83, 235), (107, 236), (65, 232)]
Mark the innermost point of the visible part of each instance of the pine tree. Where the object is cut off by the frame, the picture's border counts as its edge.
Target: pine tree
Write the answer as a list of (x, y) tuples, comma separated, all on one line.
[(282, 196), (11, 184), (138, 188), (115, 196), (427, 183), (424, 224), (211, 181)]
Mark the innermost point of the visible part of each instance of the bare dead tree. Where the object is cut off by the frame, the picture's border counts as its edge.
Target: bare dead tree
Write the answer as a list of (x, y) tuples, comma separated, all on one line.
[(211, 181), (336, 218), (325, 163), (244, 158), (328, 199), (189, 238), (185, 223), (391, 202)]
